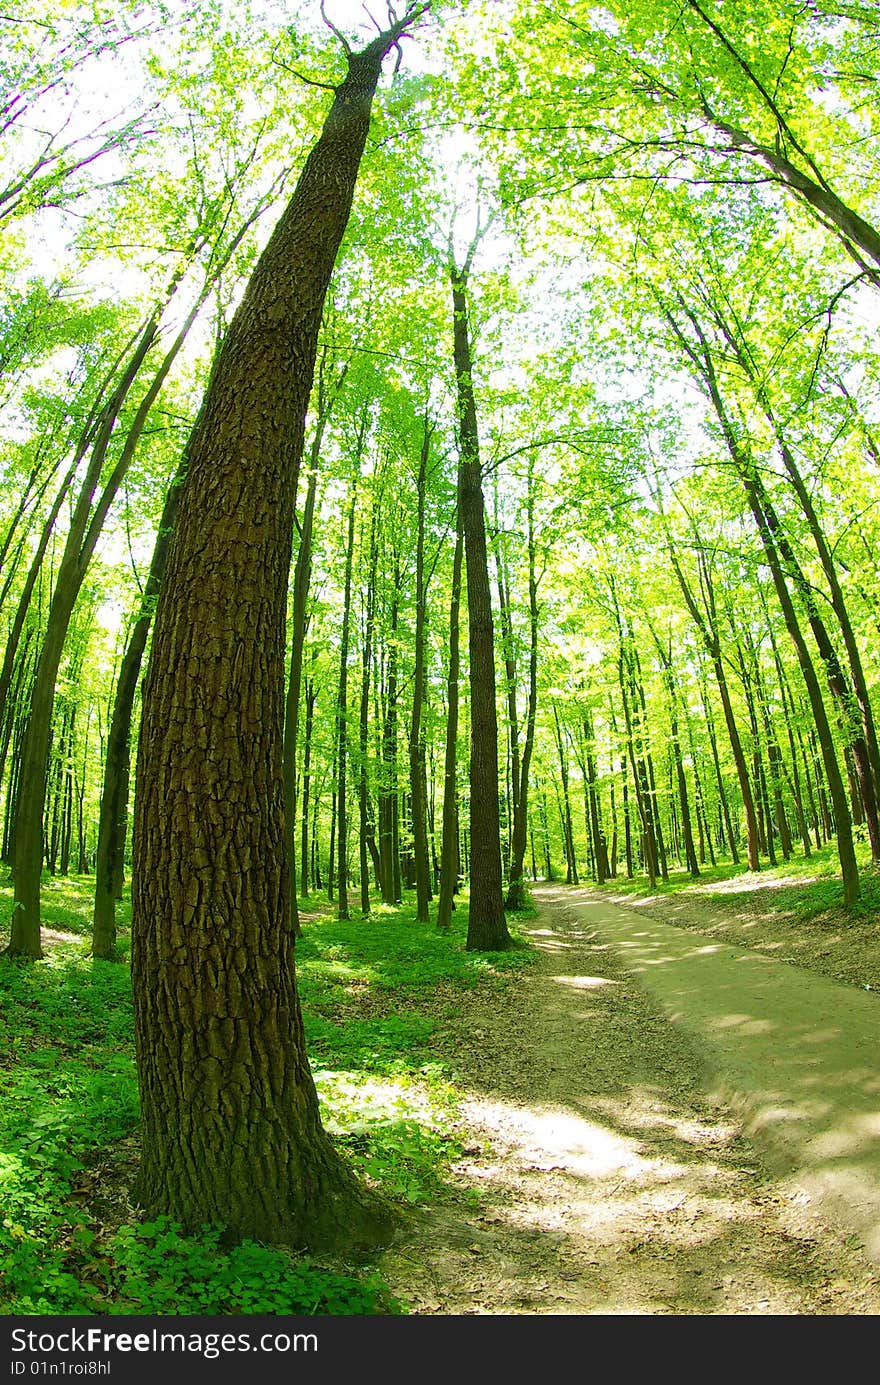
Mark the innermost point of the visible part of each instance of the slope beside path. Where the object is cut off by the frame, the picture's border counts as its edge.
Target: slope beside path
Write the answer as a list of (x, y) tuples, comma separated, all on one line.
[(795, 1053)]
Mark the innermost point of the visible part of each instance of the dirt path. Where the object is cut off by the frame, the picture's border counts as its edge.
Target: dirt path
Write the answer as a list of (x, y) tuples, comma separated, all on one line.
[(604, 1174), (795, 1053)]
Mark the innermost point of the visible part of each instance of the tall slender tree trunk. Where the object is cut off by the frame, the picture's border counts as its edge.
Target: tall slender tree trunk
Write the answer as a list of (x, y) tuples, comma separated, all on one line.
[(515, 890), (365, 833), (305, 877), (781, 561), (842, 820), (571, 870), (342, 727), (641, 782), (24, 601), (853, 699), (389, 855), (331, 853), (449, 862), (86, 524), (651, 798), (759, 778), (707, 624), (487, 926), (417, 782), (545, 832), (788, 713), (113, 819), (302, 575), (599, 845), (705, 831), (612, 854), (82, 859), (680, 779), (775, 761), (723, 804)]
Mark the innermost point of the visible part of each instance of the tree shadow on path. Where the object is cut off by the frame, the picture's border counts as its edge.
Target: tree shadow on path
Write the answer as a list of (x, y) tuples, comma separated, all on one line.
[(609, 1180)]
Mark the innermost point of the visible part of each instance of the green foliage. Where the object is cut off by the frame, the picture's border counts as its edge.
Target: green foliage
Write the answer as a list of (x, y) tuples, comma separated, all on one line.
[(393, 951), (808, 888), (402, 1156), (69, 1114), (387, 1045), (68, 1089), (68, 904), (156, 1269), (396, 1134)]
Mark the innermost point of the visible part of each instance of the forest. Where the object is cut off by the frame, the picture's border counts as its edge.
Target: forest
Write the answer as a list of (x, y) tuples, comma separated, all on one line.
[(440, 453)]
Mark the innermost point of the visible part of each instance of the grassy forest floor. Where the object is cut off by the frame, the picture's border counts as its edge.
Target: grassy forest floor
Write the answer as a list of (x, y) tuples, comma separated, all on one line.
[(539, 1166)]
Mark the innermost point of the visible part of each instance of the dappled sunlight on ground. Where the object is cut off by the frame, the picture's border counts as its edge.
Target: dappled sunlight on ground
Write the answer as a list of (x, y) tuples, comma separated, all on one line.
[(744, 1023), (794, 1051), (746, 884), (584, 983), (602, 1177)]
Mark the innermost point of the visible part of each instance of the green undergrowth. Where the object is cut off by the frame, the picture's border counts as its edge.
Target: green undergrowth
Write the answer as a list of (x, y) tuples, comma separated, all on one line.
[(808, 887), (69, 1241), (353, 977), (68, 904)]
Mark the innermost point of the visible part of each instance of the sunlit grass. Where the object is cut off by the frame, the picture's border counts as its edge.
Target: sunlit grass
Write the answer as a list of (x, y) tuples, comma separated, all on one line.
[(807, 886), (69, 1104)]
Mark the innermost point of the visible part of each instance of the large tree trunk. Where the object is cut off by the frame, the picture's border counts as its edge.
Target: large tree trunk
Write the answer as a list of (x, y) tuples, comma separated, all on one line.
[(230, 1121)]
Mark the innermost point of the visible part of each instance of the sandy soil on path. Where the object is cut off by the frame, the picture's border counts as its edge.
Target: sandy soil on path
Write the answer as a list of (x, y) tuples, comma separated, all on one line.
[(602, 1176), (794, 1051)]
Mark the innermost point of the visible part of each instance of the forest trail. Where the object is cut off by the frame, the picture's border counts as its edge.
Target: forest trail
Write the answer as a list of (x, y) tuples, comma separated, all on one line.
[(795, 1053), (655, 1125)]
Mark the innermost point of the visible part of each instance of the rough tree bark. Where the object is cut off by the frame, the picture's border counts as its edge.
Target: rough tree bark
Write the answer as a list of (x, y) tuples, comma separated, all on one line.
[(230, 1121)]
